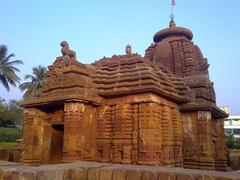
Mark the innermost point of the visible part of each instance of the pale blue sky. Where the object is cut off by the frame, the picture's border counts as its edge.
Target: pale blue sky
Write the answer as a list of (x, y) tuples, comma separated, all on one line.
[(32, 30)]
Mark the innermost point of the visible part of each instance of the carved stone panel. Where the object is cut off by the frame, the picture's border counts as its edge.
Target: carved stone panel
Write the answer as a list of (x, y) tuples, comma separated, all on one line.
[(149, 128), (79, 132)]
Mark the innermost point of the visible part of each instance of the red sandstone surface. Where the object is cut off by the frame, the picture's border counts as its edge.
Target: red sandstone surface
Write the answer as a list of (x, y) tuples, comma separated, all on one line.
[(159, 109)]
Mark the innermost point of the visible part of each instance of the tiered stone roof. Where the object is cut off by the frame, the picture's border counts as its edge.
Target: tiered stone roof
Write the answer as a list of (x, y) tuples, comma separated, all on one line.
[(129, 74)]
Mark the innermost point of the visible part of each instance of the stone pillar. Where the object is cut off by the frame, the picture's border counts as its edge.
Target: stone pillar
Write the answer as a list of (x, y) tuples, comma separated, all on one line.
[(167, 136), (178, 137), (150, 139), (221, 153), (33, 136), (104, 133), (135, 133), (79, 132), (190, 140), (206, 160), (122, 128)]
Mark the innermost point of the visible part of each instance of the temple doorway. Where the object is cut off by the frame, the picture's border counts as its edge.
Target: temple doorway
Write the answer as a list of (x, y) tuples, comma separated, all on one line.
[(56, 145)]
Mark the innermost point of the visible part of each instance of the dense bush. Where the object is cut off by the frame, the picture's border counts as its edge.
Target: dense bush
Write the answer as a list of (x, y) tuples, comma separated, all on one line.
[(11, 114), (232, 142), (10, 134)]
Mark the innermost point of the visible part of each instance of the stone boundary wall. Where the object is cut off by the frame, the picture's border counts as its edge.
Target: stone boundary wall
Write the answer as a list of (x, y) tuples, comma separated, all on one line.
[(10, 154), (234, 158), (106, 171)]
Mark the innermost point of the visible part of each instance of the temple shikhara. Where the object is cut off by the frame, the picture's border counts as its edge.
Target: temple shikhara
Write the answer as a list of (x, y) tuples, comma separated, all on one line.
[(159, 109)]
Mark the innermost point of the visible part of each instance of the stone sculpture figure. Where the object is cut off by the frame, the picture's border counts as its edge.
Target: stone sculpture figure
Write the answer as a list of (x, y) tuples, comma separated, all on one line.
[(66, 51), (128, 49)]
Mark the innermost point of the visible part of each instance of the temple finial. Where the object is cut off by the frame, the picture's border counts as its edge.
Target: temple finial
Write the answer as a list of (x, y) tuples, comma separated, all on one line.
[(172, 23), (128, 49)]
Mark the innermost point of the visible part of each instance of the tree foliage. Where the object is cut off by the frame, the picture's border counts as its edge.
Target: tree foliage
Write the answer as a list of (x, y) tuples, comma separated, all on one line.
[(232, 142), (11, 114), (7, 68), (33, 87)]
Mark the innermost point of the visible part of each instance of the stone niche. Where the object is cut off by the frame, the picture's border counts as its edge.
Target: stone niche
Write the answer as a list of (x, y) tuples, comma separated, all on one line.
[(159, 109)]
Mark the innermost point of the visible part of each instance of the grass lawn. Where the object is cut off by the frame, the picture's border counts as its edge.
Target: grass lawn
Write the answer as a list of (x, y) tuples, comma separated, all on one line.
[(8, 144)]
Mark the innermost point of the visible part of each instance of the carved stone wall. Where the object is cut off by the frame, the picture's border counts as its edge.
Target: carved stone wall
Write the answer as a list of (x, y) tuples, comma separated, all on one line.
[(104, 133), (178, 137), (150, 143), (122, 127), (79, 132), (167, 136), (205, 142), (190, 140), (139, 132), (125, 130), (33, 143), (221, 151)]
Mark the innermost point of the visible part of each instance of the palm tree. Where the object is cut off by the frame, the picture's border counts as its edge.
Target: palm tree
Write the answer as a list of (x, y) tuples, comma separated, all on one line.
[(33, 87), (8, 69)]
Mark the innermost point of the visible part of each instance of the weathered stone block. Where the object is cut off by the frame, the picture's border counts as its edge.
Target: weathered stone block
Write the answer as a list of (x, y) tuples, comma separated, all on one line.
[(184, 177), (166, 176), (70, 174), (133, 175), (119, 174), (81, 174), (1, 173), (4, 154), (105, 174), (53, 174), (14, 154), (27, 175), (10, 174), (148, 175), (93, 174)]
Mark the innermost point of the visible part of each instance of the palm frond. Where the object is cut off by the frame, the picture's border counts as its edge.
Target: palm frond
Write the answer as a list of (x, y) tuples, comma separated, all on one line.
[(3, 51), (8, 69), (16, 62), (33, 87), (13, 68), (4, 82)]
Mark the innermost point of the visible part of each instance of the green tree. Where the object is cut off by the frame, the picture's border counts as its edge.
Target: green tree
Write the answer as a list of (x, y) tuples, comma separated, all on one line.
[(229, 141), (237, 143), (33, 87), (8, 69), (10, 113), (2, 110), (14, 112)]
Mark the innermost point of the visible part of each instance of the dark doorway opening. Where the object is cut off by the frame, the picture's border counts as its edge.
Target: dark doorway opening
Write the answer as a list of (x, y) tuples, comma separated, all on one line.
[(56, 150)]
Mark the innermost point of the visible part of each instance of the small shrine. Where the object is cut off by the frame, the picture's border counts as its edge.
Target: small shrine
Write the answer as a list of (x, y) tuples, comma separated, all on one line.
[(159, 109)]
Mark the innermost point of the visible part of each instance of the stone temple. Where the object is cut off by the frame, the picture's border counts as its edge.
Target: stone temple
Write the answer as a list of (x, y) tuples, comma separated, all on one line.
[(159, 109)]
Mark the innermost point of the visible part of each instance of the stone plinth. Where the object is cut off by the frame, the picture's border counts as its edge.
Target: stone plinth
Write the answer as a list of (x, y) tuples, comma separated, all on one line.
[(107, 171)]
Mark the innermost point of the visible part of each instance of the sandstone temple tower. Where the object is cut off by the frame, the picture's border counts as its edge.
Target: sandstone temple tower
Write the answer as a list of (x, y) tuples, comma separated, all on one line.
[(159, 109)]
